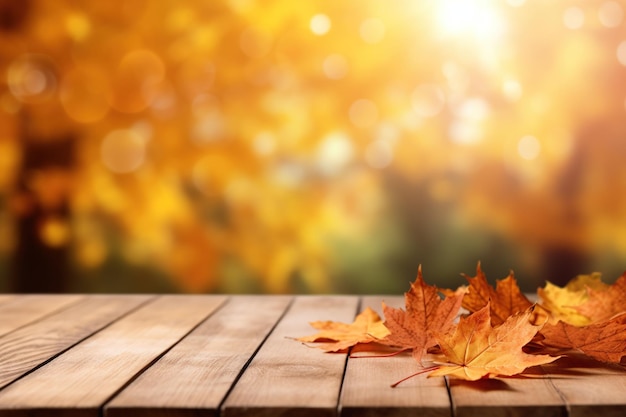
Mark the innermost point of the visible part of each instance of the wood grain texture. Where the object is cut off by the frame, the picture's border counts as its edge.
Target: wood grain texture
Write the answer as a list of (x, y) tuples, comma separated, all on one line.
[(195, 376), (80, 381), (174, 356), (366, 390), (19, 311), (511, 397), (287, 378), (589, 388), (30, 346)]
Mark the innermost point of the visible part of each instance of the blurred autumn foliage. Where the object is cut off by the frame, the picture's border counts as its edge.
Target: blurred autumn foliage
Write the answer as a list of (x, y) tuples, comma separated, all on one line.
[(267, 146)]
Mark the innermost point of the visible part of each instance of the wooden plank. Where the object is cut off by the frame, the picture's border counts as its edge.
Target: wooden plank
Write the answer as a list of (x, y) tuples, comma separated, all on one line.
[(19, 311), (80, 381), (198, 372), (6, 297), (589, 388), (517, 396), (287, 378), (523, 395), (511, 397), (366, 390), (30, 346)]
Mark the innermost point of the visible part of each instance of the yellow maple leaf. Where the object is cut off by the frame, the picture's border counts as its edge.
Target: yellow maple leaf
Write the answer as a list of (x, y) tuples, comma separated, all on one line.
[(561, 302), (476, 350), (335, 336)]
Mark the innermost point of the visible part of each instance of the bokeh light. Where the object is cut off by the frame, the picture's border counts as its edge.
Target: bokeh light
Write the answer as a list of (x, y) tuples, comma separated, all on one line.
[(611, 14), (512, 89), (474, 18), (84, 94), (136, 81), (573, 17), (372, 30), (320, 24), (363, 113), (335, 66), (529, 147), (123, 151), (379, 154), (621, 53), (31, 77), (243, 146), (334, 153)]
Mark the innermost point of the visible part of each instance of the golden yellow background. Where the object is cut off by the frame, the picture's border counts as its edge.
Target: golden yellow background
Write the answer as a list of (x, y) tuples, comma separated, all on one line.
[(310, 146)]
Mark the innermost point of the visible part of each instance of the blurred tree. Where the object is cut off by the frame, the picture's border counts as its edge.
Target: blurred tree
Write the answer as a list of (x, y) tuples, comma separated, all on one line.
[(41, 259)]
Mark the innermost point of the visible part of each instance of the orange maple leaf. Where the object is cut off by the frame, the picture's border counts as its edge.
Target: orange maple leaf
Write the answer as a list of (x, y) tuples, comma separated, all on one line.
[(425, 313), (603, 304), (336, 336), (505, 300), (476, 349), (604, 341)]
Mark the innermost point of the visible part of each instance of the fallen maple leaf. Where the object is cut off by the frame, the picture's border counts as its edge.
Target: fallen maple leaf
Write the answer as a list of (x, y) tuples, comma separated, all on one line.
[(425, 313), (503, 327), (562, 302), (476, 349), (505, 300), (336, 336), (604, 341), (601, 305)]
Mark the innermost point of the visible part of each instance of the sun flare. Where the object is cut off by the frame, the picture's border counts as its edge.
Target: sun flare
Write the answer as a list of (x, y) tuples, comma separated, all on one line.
[(475, 18)]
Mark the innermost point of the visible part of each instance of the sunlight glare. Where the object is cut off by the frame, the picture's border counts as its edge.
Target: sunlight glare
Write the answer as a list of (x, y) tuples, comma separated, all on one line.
[(476, 18)]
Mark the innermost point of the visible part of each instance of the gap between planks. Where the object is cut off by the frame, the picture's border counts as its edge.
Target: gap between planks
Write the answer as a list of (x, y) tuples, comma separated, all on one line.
[(366, 388), (285, 367), (30, 346), (19, 311), (201, 369), (287, 378), (83, 378)]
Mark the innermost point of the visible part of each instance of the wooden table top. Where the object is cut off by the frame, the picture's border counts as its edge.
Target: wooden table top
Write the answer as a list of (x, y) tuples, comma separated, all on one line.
[(209, 355)]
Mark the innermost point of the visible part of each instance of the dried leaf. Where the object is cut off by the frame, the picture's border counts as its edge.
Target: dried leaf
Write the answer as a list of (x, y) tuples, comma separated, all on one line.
[(562, 303), (604, 341), (425, 313), (503, 327), (336, 336), (604, 304), (476, 349), (505, 300)]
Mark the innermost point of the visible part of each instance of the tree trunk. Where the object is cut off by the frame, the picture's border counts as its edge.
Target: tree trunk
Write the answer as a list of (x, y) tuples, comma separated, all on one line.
[(40, 262)]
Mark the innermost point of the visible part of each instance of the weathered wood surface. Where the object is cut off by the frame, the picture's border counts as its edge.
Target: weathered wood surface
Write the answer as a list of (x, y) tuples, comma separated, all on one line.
[(18, 311), (366, 389), (148, 355), (588, 389), (87, 376), (199, 371), (286, 378), (27, 347)]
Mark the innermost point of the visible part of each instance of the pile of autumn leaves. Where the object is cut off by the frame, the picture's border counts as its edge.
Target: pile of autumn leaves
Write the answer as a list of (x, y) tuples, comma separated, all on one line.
[(499, 332)]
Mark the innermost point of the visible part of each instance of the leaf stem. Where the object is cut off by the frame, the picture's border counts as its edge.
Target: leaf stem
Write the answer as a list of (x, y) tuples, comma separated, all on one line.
[(430, 368), (384, 355)]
